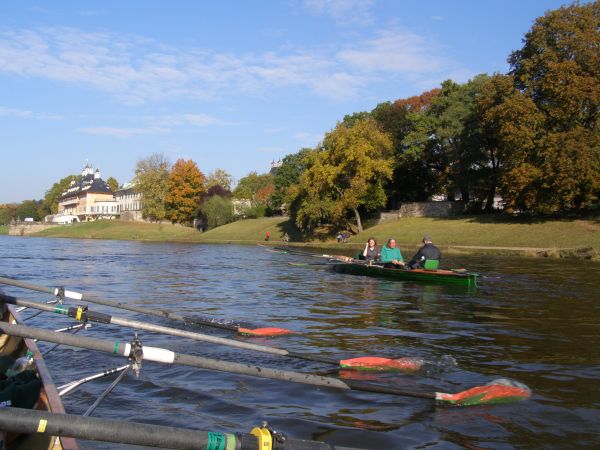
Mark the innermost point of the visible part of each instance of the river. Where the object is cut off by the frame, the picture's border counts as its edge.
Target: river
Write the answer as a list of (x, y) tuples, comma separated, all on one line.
[(536, 321)]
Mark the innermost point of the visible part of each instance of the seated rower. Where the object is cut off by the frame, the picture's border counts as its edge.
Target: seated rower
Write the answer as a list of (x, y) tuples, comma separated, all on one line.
[(428, 252), (371, 252), (391, 256)]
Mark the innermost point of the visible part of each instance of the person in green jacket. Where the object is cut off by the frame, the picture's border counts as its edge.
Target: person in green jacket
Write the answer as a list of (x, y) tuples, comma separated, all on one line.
[(391, 256)]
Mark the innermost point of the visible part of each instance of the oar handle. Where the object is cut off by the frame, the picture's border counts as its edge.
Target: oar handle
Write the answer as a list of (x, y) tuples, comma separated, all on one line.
[(30, 421)]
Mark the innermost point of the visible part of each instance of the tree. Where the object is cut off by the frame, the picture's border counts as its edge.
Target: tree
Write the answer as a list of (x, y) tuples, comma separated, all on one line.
[(113, 184), (184, 187), (345, 174), (7, 213), (151, 180), (219, 177), (253, 187), (49, 204), (287, 175), (28, 208), (558, 68), (433, 147), (217, 210), (412, 178)]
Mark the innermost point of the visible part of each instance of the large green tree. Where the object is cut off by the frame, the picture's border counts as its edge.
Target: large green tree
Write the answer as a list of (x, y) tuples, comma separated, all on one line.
[(412, 178), (50, 202), (346, 173), (219, 177), (184, 188), (151, 180), (558, 68), (112, 183), (217, 211), (287, 175), (28, 208)]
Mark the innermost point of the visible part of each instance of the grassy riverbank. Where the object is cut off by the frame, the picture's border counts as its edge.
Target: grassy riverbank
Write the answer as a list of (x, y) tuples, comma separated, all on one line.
[(476, 234)]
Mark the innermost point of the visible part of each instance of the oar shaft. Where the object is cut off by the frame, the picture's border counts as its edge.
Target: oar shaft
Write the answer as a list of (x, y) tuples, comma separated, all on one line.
[(93, 316), (100, 301), (105, 318), (168, 357), (29, 421)]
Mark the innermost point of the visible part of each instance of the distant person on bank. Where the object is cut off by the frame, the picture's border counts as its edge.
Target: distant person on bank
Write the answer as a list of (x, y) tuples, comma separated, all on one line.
[(391, 256), (371, 252), (427, 252)]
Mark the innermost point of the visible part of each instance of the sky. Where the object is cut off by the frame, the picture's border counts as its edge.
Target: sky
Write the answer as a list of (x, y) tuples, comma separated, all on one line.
[(228, 84)]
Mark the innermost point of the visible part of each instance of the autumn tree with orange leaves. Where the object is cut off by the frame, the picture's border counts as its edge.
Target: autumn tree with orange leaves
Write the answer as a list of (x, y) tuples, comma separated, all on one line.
[(184, 188)]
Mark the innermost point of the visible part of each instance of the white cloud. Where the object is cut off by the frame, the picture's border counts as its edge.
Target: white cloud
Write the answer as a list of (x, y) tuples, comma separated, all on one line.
[(343, 12), (308, 139), (26, 114), (395, 51), (200, 120), (123, 132), (157, 125), (137, 70)]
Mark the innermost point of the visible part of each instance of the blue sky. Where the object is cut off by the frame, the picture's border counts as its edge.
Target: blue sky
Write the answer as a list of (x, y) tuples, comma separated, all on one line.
[(228, 84)]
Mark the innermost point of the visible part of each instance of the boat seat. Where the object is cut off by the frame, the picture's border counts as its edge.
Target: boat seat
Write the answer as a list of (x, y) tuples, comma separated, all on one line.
[(431, 264)]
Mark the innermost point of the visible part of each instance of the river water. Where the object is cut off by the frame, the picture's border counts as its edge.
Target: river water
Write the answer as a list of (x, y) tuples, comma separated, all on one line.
[(536, 321)]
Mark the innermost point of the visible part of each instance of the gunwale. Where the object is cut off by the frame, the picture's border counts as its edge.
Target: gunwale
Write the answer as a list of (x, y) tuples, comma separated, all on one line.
[(441, 276), (49, 398)]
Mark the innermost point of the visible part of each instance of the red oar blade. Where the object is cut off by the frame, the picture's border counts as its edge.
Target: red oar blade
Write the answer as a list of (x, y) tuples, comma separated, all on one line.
[(377, 363), (268, 331), (498, 391)]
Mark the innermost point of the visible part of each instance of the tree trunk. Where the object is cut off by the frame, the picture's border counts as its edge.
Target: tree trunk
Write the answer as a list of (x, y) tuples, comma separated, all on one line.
[(358, 221)]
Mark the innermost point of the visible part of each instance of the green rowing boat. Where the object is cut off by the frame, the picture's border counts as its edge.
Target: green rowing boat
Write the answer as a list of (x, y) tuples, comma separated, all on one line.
[(441, 276)]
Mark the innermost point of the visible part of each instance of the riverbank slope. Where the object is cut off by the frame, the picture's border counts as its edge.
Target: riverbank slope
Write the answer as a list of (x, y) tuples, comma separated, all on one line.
[(489, 234)]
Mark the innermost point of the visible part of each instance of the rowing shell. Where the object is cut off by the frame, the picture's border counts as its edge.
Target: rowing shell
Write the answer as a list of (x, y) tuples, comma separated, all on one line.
[(468, 279), (15, 347)]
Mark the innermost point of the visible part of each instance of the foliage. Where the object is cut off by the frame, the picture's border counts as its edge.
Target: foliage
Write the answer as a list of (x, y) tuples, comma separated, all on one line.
[(184, 187), (219, 177), (287, 175), (558, 68), (217, 210), (113, 184), (250, 184), (346, 173), (7, 213), (50, 202), (256, 188), (28, 208), (151, 180), (412, 178)]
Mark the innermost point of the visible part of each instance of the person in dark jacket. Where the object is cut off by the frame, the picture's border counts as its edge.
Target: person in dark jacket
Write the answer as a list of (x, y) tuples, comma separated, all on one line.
[(428, 251)]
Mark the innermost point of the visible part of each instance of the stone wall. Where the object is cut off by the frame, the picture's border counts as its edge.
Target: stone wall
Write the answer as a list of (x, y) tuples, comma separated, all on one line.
[(423, 209), (25, 229)]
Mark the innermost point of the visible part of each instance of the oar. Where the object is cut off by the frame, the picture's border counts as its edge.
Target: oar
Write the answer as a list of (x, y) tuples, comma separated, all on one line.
[(84, 315), (495, 392), (28, 421), (267, 331)]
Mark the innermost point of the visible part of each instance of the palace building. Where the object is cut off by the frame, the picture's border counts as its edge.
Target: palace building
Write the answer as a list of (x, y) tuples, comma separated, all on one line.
[(88, 198)]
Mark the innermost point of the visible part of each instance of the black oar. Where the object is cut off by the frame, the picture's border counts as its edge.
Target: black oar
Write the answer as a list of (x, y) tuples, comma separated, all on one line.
[(496, 392), (268, 331), (84, 314), (28, 421)]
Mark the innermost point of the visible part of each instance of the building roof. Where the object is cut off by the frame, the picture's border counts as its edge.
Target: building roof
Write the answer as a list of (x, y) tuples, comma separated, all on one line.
[(88, 182)]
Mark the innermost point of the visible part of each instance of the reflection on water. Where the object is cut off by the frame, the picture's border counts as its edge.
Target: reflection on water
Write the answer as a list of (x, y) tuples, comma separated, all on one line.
[(533, 320)]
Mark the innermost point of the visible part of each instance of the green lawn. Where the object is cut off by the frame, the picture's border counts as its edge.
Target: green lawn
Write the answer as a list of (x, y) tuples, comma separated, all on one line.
[(477, 231)]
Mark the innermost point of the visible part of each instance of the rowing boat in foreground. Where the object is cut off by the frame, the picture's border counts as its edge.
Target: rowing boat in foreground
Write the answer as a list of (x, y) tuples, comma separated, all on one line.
[(440, 276), (12, 348)]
